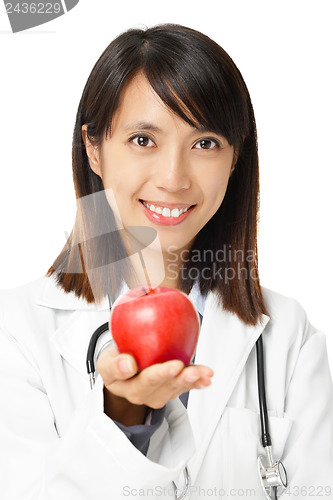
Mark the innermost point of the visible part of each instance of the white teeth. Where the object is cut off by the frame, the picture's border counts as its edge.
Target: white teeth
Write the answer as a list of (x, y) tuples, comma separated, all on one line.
[(166, 212)]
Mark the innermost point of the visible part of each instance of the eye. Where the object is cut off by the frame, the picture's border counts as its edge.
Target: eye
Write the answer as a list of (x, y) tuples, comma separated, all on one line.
[(207, 144), (142, 141)]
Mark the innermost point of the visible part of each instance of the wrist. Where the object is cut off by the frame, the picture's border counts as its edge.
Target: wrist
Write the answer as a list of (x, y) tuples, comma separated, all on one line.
[(124, 412)]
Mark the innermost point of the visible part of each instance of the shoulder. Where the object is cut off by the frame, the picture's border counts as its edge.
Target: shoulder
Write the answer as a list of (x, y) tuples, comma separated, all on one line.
[(286, 324), (25, 326), (288, 319), (16, 301), (26, 290), (43, 294), (281, 306), (34, 311), (290, 339), (22, 315)]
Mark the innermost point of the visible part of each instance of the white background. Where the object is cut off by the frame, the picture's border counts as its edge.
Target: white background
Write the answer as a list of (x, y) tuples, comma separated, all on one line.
[(284, 51)]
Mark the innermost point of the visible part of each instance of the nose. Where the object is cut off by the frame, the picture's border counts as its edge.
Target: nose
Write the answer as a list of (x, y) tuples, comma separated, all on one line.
[(173, 172)]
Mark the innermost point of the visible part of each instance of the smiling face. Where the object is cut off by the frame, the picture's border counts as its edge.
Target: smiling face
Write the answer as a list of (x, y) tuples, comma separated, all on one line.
[(163, 172)]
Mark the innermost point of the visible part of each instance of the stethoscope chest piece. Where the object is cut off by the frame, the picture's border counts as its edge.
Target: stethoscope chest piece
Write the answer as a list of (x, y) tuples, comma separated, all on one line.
[(272, 476)]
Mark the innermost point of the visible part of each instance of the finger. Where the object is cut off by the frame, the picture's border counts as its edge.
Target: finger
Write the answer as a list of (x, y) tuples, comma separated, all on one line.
[(113, 366), (205, 371), (171, 377), (169, 369), (202, 383), (159, 374), (194, 373), (153, 380), (158, 383)]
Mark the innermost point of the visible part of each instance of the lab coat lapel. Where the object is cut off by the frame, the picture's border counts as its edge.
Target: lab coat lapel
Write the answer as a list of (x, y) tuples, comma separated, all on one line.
[(76, 320), (224, 345), (72, 339)]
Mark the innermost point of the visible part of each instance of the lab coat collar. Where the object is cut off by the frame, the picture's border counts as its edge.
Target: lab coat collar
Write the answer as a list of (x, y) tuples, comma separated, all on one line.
[(51, 295)]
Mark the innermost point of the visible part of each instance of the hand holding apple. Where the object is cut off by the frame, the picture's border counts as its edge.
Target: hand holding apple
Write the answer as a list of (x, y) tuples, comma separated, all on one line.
[(155, 325), (173, 324), (126, 390)]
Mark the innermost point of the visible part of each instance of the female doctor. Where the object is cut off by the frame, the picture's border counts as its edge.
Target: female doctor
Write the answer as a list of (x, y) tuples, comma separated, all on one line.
[(164, 141)]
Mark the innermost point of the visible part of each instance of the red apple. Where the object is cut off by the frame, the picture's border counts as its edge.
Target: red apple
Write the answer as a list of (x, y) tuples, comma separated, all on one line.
[(155, 325)]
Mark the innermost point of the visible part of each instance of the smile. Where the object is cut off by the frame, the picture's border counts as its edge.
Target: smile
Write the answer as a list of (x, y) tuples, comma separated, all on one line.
[(165, 211), (167, 216)]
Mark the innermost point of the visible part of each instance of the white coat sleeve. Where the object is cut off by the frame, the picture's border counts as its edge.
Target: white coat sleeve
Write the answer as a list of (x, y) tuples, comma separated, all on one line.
[(94, 459), (308, 454)]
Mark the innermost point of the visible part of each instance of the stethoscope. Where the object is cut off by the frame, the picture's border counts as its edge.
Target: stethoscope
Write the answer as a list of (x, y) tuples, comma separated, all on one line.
[(272, 474)]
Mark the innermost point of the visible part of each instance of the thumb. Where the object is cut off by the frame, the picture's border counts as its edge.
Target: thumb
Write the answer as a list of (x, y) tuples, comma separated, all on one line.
[(113, 366), (126, 366)]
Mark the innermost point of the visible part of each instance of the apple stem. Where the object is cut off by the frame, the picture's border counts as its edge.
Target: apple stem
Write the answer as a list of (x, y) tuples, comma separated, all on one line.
[(143, 288)]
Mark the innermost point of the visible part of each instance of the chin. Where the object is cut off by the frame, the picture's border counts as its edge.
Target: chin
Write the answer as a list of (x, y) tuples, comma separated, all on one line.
[(175, 247)]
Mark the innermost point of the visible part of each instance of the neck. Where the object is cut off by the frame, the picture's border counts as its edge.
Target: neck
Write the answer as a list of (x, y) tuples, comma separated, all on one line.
[(156, 268)]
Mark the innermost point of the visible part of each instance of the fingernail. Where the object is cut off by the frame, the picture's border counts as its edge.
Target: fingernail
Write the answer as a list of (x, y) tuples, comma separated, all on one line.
[(206, 384), (191, 378), (125, 365), (201, 386)]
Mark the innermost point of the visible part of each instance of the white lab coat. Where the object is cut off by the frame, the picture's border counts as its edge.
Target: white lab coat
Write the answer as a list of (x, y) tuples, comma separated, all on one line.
[(56, 442)]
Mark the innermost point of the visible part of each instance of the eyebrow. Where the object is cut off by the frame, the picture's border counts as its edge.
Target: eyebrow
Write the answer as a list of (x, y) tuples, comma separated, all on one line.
[(142, 125)]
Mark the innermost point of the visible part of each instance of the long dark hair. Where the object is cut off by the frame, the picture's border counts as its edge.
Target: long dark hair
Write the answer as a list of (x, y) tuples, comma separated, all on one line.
[(197, 80)]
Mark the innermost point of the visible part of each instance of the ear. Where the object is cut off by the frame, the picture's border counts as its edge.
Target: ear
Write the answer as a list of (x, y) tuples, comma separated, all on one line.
[(234, 161), (92, 152)]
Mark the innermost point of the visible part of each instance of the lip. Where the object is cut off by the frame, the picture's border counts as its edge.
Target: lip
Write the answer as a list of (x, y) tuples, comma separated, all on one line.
[(166, 221)]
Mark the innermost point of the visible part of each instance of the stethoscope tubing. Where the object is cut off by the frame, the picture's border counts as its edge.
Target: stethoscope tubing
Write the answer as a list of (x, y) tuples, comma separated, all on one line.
[(265, 435), (90, 362)]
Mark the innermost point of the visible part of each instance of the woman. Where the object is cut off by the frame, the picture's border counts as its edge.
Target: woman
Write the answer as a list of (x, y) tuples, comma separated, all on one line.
[(166, 175)]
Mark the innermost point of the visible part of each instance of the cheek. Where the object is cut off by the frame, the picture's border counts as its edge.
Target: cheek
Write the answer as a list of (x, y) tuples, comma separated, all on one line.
[(214, 191), (120, 172), (121, 190)]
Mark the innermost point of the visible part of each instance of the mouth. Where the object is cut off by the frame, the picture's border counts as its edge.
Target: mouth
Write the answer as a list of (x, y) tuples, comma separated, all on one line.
[(166, 210), (166, 214)]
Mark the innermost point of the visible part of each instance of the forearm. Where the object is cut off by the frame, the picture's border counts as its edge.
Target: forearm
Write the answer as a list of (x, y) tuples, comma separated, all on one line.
[(122, 411)]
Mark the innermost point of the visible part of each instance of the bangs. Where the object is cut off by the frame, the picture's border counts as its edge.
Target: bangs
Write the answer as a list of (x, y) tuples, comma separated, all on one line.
[(193, 76), (196, 86)]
